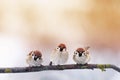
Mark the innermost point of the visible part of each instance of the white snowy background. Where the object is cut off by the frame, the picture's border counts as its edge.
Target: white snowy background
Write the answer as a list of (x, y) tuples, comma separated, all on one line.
[(27, 25)]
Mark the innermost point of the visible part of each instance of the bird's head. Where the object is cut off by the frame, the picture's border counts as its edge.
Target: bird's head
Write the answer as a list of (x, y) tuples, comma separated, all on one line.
[(61, 47), (79, 52), (35, 55)]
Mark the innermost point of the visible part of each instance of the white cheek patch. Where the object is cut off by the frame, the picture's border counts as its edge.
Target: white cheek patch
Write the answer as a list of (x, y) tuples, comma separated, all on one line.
[(32, 57), (75, 53), (83, 54), (64, 49), (57, 49)]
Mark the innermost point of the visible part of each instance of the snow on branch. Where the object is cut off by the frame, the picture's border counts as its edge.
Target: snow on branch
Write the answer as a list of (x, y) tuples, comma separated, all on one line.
[(59, 67)]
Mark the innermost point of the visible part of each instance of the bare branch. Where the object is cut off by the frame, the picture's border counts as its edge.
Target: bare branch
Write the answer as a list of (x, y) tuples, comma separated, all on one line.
[(56, 67)]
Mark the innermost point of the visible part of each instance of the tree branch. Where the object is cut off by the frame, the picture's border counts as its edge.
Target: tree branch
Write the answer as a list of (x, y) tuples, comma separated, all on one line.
[(61, 67)]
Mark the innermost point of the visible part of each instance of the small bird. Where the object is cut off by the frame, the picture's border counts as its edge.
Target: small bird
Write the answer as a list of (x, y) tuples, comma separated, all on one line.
[(34, 58), (59, 55), (81, 55)]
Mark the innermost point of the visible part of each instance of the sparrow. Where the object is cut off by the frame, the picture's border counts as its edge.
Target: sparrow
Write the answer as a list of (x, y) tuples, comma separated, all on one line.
[(34, 58), (59, 55), (81, 55)]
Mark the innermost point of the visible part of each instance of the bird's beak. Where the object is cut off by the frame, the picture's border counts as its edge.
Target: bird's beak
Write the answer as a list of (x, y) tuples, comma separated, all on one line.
[(61, 49), (35, 58), (40, 57)]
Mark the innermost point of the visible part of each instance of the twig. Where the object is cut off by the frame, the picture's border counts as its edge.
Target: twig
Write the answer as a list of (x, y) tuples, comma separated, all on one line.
[(56, 67)]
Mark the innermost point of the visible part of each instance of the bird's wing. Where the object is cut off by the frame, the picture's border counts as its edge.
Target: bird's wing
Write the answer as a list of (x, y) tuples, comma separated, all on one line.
[(52, 55)]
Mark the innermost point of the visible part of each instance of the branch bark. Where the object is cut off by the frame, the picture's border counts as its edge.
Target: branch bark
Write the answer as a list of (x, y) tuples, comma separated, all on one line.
[(61, 67)]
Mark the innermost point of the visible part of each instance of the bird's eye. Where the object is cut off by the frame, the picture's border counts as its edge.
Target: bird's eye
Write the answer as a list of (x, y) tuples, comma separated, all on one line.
[(75, 52), (57, 48)]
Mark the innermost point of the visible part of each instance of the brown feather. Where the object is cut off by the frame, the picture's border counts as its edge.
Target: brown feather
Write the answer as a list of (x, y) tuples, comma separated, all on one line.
[(80, 50), (38, 53), (62, 45), (30, 53)]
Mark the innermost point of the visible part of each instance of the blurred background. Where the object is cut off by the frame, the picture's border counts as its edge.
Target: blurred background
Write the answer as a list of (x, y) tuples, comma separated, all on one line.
[(27, 25)]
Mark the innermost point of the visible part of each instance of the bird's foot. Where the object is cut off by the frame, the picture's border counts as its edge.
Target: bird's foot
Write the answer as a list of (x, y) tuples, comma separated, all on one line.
[(79, 64), (50, 63)]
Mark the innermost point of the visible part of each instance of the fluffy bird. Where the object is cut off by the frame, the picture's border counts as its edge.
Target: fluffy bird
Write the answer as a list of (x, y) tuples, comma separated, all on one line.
[(59, 55), (81, 56), (34, 58)]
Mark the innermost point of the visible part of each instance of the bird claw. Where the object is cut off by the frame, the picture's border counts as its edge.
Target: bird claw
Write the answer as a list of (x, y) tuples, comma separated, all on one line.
[(82, 64), (50, 63), (79, 64)]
